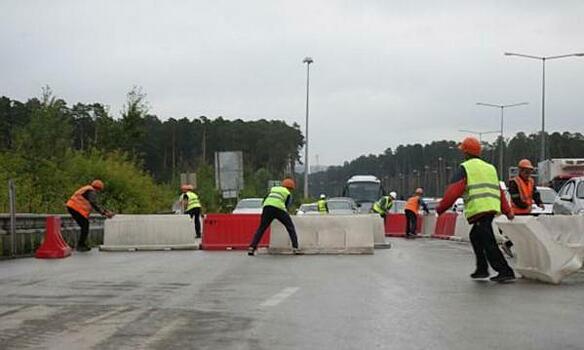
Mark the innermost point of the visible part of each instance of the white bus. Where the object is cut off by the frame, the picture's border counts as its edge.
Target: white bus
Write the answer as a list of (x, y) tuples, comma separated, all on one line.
[(365, 190)]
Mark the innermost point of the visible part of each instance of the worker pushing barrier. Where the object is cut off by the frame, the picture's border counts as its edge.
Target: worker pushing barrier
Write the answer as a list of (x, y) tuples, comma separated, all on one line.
[(412, 208), (191, 205), (477, 182), (275, 207), (384, 205), (80, 205)]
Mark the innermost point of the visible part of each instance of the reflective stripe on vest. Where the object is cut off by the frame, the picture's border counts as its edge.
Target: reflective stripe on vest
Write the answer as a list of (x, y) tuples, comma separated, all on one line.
[(483, 192), (193, 200), (321, 204), (525, 194), (413, 204), (78, 203), (277, 197)]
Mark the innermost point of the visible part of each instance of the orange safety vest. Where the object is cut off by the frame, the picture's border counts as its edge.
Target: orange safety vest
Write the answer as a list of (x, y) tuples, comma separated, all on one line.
[(78, 203), (525, 193), (413, 204)]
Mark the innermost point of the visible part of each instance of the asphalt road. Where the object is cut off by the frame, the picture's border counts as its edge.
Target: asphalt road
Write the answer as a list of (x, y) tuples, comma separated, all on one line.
[(416, 295)]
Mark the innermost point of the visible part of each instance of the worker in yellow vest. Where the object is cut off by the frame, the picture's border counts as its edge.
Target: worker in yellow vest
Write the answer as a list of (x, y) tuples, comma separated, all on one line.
[(477, 182), (412, 209), (192, 206), (322, 205), (384, 205), (80, 205), (275, 207)]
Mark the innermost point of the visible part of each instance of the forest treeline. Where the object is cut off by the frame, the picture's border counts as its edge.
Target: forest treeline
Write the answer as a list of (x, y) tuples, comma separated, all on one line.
[(430, 165), (50, 148)]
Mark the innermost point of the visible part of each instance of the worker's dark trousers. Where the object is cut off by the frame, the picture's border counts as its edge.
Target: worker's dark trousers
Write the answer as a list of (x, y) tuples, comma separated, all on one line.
[(486, 249), (270, 213), (196, 213), (83, 222), (411, 222)]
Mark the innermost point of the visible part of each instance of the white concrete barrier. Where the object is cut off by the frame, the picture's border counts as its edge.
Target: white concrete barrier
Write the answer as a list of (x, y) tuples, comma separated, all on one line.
[(547, 248), (328, 234), (428, 224), (148, 232), (462, 230)]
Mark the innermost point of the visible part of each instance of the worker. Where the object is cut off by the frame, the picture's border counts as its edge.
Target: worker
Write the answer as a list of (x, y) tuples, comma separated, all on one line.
[(192, 206), (384, 204), (275, 206), (477, 182), (523, 191), (80, 205), (322, 205), (412, 208)]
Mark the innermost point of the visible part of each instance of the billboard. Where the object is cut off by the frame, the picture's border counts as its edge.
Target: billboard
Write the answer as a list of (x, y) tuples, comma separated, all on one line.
[(229, 173)]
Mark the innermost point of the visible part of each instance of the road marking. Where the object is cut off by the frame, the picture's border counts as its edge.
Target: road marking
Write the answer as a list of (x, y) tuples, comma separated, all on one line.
[(279, 297)]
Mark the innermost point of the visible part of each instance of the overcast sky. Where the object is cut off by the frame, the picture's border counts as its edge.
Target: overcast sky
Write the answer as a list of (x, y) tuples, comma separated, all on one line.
[(384, 72)]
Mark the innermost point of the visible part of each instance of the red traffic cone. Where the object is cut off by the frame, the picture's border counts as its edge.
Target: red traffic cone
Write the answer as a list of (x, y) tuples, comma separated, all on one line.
[(53, 247)]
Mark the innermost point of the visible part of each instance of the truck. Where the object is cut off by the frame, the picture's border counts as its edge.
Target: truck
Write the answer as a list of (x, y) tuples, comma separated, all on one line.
[(555, 172), (365, 190)]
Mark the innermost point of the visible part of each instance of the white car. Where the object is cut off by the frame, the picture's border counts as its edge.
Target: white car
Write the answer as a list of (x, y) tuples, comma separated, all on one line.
[(249, 206), (570, 199), (342, 206), (308, 209)]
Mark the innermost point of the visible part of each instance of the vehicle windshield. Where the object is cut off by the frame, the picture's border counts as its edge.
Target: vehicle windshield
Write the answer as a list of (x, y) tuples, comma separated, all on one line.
[(363, 191), (249, 203), (547, 195), (339, 205), (580, 191), (307, 207)]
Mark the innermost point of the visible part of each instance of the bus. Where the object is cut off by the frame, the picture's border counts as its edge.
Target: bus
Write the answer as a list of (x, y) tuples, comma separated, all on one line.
[(365, 190)]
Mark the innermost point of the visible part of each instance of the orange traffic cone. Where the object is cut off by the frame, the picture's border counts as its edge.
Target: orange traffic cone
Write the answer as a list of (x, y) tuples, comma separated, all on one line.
[(53, 247)]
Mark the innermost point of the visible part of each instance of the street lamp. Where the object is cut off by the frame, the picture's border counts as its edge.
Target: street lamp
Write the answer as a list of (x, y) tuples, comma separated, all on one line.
[(480, 133), (502, 108), (308, 61), (543, 59)]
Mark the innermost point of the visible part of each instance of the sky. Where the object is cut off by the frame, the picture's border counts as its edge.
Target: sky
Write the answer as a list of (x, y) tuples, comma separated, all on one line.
[(385, 72)]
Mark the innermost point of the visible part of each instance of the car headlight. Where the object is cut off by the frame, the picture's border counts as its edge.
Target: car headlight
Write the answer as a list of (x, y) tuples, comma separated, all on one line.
[(580, 212)]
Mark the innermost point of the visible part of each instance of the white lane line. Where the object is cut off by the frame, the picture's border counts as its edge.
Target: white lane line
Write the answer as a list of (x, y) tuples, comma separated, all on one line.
[(279, 297)]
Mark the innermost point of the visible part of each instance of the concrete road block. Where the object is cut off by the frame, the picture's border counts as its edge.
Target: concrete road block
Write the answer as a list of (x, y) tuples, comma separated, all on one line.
[(428, 225), (148, 232), (328, 234), (541, 254)]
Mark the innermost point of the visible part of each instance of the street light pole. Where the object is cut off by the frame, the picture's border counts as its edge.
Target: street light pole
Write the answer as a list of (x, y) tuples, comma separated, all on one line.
[(543, 59), (308, 61), (502, 141), (480, 133)]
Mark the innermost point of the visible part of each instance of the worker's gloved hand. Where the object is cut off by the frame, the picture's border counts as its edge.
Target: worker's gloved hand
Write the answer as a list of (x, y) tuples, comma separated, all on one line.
[(541, 206), (108, 214), (510, 216)]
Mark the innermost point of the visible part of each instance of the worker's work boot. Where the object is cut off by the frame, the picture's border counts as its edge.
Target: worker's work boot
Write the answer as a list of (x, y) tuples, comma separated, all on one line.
[(83, 248), (297, 251), (251, 251), (479, 274), (503, 278)]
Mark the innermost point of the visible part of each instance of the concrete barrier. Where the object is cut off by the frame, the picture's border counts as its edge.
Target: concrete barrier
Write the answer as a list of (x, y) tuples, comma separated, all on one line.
[(148, 232), (547, 248), (328, 234), (462, 230), (428, 225), (379, 232)]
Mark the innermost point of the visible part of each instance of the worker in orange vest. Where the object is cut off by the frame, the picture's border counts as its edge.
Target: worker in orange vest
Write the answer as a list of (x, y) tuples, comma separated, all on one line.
[(80, 205), (412, 208), (523, 191)]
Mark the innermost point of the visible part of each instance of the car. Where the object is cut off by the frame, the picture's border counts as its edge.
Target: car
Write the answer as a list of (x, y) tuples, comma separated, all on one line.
[(249, 206), (307, 209), (342, 206), (548, 196), (570, 198)]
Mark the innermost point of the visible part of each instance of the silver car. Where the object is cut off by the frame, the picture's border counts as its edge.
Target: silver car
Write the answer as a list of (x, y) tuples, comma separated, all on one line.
[(249, 206), (570, 199), (342, 206)]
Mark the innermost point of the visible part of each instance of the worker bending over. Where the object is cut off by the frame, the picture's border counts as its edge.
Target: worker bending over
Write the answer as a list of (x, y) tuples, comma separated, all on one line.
[(322, 205), (411, 210), (384, 205), (192, 206)]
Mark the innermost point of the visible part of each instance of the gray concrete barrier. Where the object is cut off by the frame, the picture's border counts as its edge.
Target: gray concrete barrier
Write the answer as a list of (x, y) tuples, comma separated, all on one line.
[(149, 232), (548, 248), (428, 225), (328, 234)]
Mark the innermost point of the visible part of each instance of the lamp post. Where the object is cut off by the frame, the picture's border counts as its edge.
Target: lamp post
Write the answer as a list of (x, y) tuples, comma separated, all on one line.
[(480, 133), (543, 59), (308, 61), (502, 108)]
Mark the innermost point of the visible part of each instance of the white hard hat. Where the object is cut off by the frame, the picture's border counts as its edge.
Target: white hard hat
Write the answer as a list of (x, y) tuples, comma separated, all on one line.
[(393, 195), (322, 196)]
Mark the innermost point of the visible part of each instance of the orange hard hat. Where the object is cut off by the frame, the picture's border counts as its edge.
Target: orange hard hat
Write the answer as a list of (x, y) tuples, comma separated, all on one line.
[(470, 145), (186, 188), (525, 164), (97, 184), (289, 183)]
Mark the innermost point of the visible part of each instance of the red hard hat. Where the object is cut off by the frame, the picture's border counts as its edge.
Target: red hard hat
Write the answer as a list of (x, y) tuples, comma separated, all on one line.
[(525, 164), (470, 145), (97, 184), (289, 183)]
